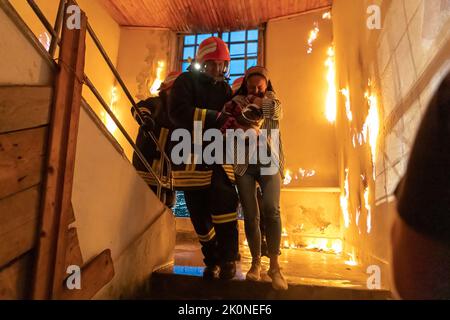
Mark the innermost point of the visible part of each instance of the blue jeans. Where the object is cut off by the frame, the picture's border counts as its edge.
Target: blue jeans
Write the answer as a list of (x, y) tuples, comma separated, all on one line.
[(271, 187)]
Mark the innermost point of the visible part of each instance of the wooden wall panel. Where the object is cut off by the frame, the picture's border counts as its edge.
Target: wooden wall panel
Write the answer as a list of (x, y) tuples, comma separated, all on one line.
[(16, 277), (24, 107), (21, 159), (18, 224)]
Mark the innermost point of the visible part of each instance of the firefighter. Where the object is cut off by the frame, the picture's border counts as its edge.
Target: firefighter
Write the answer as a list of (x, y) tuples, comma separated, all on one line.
[(156, 120), (210, 195)]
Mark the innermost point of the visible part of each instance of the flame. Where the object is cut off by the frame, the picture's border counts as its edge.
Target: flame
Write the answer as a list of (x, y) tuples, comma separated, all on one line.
[(368, 208), (346, 93), (284, 234), (327, 15), (306, 173), (325, 245), (246, 243), (287, 177), (352, 261), (286, 244), (159, 78), (358, 215), (313, 34), (330, 110), (371, 126), (107, 120), (344, 200)]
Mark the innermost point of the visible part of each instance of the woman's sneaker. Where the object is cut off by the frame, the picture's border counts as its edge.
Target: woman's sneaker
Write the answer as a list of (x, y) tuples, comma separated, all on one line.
[(278, 280), (254, 274)]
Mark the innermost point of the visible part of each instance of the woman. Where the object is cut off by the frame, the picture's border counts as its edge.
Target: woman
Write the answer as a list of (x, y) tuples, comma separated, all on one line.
[(256, 91)]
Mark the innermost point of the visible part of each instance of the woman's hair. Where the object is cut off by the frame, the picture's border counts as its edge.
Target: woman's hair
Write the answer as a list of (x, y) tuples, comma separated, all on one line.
[(242, 91)]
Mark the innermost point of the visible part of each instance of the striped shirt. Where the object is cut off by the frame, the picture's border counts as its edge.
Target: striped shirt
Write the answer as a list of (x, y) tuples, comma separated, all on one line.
[(272, 112)]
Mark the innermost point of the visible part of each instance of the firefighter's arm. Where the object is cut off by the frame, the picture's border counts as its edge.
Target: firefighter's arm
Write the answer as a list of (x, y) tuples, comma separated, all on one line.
[(145, 107), (181, 106)]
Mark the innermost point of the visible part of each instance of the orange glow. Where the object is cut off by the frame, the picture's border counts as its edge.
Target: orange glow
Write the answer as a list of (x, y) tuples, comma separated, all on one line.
[(344, 200), (330, 111), (284, 234), (159, 78), (346, 93)]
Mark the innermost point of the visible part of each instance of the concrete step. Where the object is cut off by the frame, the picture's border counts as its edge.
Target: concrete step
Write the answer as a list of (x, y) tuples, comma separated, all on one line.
[(186, 283)]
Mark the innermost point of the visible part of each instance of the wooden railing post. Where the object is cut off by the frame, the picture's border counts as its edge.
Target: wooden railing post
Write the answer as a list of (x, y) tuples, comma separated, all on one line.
[(56, 241)]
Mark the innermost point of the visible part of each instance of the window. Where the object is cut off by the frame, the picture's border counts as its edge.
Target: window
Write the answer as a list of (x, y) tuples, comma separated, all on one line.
[(243, 47)]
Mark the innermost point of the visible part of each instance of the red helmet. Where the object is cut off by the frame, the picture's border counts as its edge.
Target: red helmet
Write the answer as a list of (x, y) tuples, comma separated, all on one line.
[(213, 48), (169, 81)]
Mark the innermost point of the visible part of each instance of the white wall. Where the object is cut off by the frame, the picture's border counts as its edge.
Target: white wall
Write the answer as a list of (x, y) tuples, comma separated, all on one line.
[(114, 209), (24, 65)]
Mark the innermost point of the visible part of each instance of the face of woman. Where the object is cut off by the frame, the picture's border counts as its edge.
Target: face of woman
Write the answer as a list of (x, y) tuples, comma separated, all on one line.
[(256, 85)]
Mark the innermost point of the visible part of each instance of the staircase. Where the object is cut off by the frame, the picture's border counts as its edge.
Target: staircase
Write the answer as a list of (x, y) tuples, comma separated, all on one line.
[(311, 276)]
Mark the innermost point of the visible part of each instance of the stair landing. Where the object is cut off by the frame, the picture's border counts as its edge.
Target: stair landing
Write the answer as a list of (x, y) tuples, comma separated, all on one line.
[(310, 274)]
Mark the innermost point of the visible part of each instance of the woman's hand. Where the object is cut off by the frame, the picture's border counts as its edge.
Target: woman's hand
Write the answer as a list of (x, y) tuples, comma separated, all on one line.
[(255, 100)]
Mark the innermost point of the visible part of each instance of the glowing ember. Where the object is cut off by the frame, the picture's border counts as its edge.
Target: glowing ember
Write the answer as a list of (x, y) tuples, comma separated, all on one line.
[(159, 79), (344, 200), (330, 110), (313, 34), (346, 93), (327, 15), (369, 209), (287, 177)]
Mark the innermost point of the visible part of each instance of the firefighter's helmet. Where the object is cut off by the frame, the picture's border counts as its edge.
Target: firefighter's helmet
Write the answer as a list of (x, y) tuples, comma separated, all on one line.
[(213, 48), (237, 84)]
